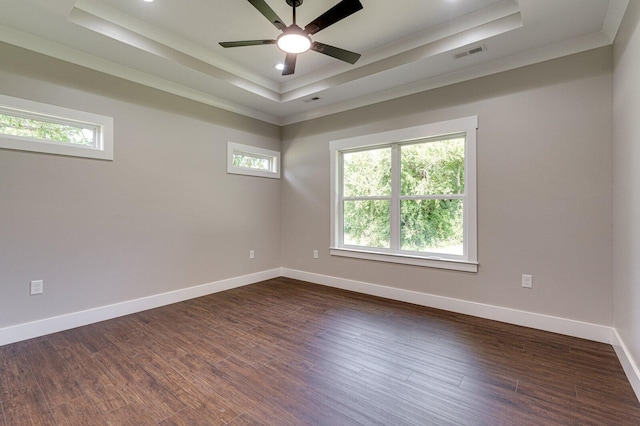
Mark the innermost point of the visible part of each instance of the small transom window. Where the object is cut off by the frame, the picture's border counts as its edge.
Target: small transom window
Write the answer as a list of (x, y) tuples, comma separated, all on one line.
[(33, 126), (253, 161)]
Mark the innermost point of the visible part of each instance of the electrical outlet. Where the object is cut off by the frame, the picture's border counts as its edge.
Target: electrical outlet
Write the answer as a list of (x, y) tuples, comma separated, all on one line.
[(37, 287), (252, 254), (527, 281), (315, 254)]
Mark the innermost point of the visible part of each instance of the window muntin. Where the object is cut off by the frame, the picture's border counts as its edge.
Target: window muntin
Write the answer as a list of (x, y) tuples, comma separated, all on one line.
[(32, 126), (416, 204), (366, 188), (253, 161), (432, 195)]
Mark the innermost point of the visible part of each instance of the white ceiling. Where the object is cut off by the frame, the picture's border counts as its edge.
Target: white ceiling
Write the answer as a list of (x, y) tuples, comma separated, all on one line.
[(406, 46)]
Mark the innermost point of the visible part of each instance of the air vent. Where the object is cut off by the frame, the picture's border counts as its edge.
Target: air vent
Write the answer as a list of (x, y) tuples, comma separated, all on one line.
[(471, 51), (311, 99)]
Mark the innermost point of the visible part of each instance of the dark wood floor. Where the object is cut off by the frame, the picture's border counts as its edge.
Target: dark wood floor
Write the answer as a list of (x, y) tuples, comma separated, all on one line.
[(285, 352)]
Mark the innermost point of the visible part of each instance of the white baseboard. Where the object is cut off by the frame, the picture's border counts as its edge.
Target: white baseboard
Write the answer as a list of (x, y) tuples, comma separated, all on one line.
[(584, 330), (45, 326), (628, 364)]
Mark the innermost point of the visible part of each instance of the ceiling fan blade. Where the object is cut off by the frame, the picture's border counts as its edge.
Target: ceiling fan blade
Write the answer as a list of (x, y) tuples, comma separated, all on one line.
[(246, 43), (336, 52), (289, 64), (268, 13), (333, 15)]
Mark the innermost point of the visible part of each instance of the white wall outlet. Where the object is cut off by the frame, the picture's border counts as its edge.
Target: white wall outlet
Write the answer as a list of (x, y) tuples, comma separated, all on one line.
[(37, 287), (527, 281), (315, 254), (252, 254)]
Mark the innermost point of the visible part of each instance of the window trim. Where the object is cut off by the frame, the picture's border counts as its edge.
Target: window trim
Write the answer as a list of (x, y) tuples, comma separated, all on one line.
[(465, 125), (59, 115), (235, 148)]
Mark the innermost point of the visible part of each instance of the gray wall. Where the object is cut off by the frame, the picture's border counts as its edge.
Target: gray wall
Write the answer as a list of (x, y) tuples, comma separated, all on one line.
[(163, 216), (544, 188), (626, 115)]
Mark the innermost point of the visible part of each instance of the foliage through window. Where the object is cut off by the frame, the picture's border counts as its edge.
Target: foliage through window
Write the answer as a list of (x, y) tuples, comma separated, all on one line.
[(12, 125), (33, 126), (250, 160), (407, 199)]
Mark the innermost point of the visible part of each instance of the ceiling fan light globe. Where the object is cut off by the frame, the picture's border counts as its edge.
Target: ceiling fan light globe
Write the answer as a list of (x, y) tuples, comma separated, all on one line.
[(294, 42)]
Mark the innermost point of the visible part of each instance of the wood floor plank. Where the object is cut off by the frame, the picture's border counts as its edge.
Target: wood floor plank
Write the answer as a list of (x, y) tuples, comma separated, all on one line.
[(130, 414), (78, 412), (16, 378), (209, 406), (53, 375), (245, 420), (120, 366), (161, 403), (191, 417), (106, 398), (286, 352), (28, 409)]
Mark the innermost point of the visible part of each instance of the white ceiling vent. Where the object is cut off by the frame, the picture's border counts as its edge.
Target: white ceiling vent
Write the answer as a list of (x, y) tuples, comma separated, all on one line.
[(468, 52), (311, 99)]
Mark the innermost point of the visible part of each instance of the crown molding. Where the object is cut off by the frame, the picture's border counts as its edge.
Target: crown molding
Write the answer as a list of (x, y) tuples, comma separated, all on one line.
[(612, 21), (582, 44), (40, 45)]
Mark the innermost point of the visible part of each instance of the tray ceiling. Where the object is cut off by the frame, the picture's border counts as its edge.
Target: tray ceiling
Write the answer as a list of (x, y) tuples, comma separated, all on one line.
[(173, 46)]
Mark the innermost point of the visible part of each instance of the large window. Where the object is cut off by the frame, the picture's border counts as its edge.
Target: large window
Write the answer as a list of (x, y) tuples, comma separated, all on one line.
[(33, 126), (407, 196)]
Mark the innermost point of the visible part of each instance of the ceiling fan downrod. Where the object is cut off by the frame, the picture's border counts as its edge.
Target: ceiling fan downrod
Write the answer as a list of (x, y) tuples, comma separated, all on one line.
[(294, 4)]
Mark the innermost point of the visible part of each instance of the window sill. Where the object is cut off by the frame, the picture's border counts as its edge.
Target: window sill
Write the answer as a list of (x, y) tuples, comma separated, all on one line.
[(428, 262), (23, 144)]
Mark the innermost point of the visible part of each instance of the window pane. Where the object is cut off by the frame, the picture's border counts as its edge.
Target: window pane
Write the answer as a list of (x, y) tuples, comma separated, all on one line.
[(367, 173), (251, 161), (45, 130), (366, 223), (433, 168), (432, 225)]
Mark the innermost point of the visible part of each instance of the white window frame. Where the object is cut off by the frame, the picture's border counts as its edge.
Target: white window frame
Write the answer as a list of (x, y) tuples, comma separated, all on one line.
[(102, 125), (467, 262), (252, 151)]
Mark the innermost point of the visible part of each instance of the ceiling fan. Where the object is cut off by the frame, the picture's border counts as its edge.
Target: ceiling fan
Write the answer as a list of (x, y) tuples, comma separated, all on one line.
[(295, 40)]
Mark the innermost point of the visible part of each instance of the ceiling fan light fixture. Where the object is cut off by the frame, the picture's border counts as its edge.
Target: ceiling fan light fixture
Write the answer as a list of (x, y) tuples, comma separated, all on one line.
[(294, 40)]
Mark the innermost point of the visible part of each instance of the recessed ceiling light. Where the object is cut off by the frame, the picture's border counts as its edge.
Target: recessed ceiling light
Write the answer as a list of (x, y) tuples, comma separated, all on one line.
[(279, 67), (148, 1)]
